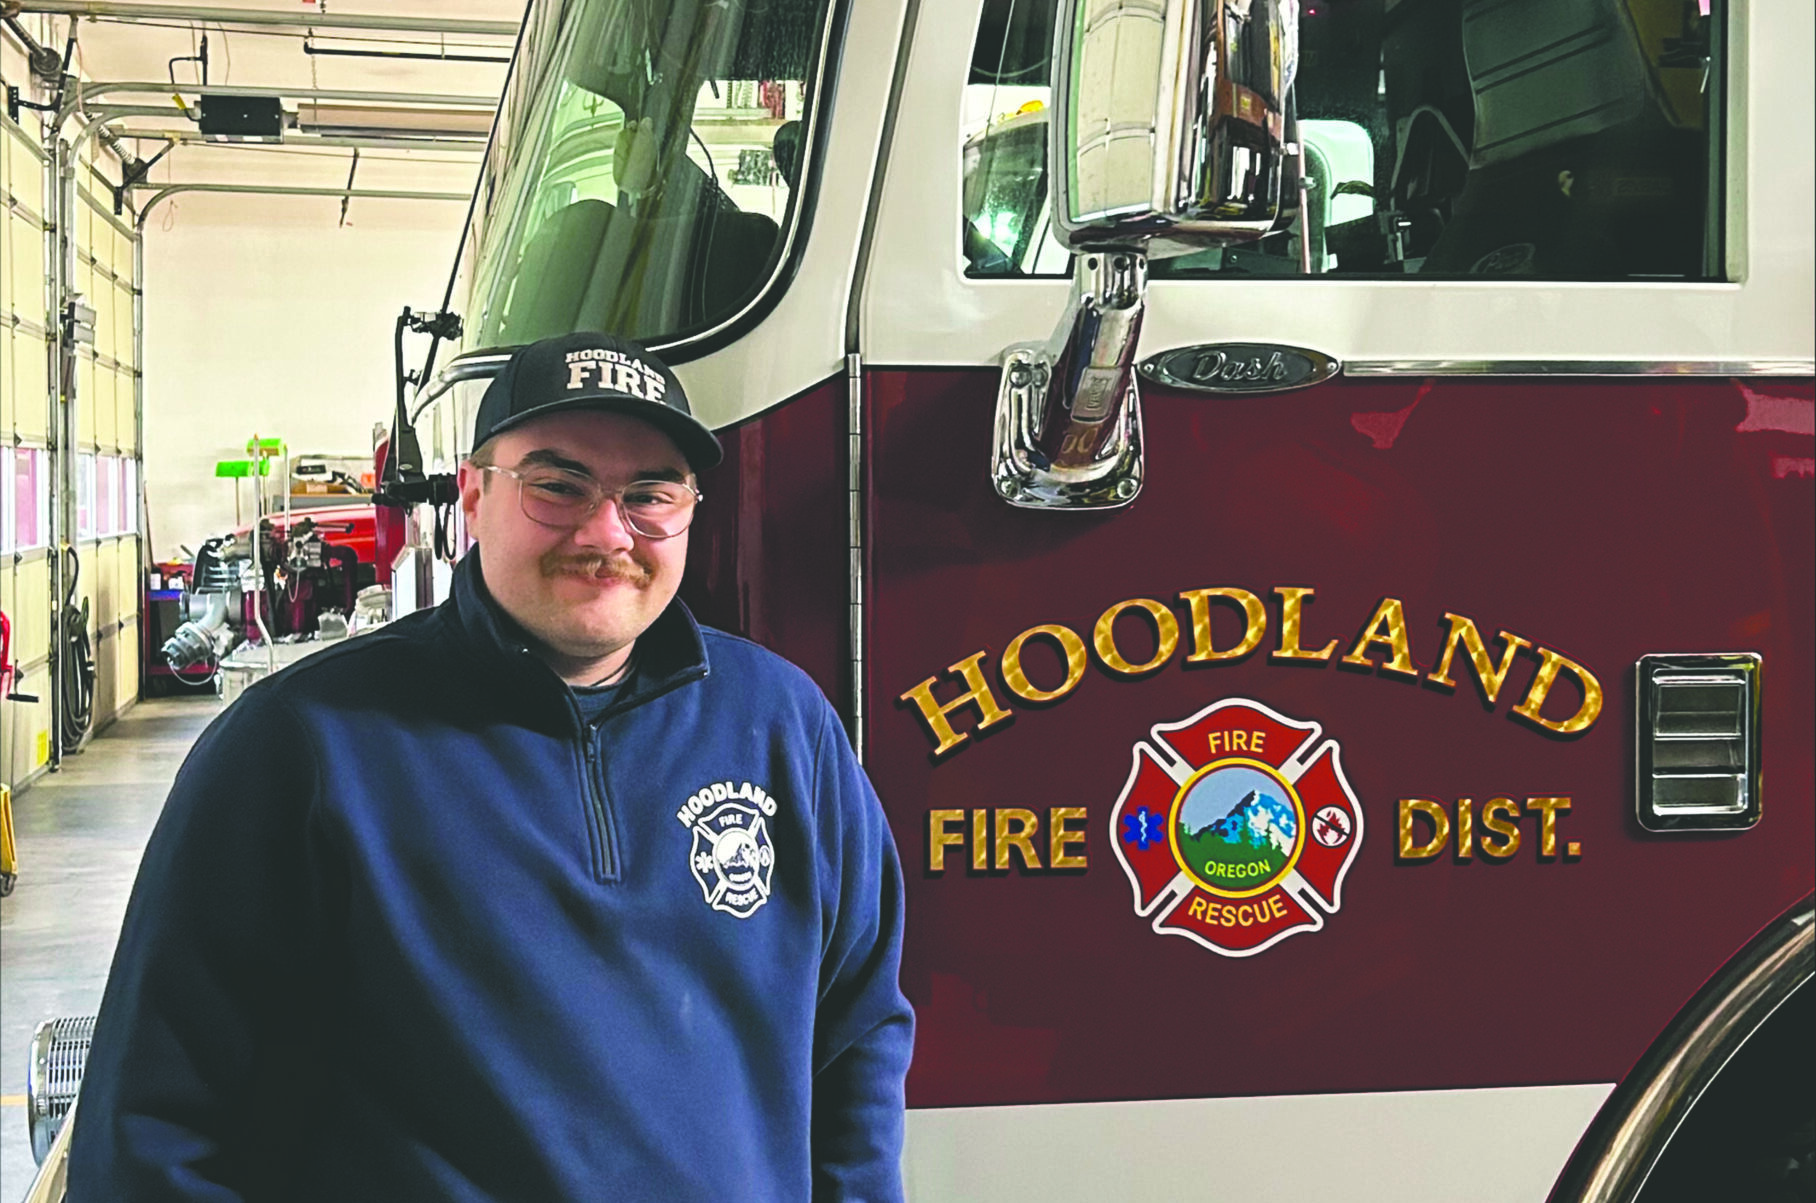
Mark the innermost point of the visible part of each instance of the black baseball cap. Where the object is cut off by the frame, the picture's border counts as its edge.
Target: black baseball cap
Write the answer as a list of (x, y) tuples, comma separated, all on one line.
[(596, 372)]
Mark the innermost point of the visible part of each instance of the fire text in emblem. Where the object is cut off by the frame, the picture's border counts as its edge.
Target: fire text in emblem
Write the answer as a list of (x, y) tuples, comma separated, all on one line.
[(1236, 827)]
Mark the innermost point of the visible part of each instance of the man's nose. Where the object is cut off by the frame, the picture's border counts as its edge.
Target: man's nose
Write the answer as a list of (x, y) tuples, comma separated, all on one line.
[(606, 529)]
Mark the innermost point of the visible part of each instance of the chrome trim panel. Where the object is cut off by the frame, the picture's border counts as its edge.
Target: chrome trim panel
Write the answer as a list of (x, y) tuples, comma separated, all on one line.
[(1676, 757), (854, 487), (854, 368), (879, 174), (1621, 1148), (1579, 367)]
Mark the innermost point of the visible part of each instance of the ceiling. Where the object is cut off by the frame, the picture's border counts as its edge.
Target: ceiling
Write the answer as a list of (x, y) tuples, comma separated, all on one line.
[(422, 128)]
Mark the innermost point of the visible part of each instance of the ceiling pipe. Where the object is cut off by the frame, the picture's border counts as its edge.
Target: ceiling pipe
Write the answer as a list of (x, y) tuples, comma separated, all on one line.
[(294, 190), (85, 92), (310, 48), (92, 127), (378, 139), (457, 138), (324, 129), (114, 10)]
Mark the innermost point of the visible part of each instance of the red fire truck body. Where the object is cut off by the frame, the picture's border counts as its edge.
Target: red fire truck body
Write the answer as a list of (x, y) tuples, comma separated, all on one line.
[(1301, 823)]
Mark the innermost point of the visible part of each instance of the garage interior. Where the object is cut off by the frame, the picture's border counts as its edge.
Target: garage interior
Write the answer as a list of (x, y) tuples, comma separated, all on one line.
[(212, 218)]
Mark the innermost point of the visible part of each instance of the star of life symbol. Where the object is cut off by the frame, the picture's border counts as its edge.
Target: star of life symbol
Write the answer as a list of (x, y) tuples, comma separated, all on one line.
[(1236, 827), (732, 856)]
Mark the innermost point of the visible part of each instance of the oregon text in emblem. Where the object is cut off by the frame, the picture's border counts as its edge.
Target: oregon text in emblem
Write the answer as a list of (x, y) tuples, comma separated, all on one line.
[(732, 856), (1236, 827)]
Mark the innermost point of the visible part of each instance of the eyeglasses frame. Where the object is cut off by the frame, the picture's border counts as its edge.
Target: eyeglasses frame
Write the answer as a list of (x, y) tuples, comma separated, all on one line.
[(615, 496)]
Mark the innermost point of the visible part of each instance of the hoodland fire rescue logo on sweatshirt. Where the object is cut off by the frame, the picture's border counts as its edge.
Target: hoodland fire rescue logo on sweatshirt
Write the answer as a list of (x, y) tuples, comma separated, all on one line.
[(732, 855), (1236, 828)]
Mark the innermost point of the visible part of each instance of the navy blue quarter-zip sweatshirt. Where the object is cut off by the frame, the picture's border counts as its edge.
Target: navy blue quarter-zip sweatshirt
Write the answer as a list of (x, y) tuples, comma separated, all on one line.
[(412, 927)]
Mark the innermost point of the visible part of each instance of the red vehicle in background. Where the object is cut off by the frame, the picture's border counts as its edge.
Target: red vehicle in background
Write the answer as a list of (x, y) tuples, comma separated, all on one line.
[(1308, 511)]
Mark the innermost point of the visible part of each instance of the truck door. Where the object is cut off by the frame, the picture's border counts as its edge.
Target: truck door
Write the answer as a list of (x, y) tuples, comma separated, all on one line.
[(1315, 813)]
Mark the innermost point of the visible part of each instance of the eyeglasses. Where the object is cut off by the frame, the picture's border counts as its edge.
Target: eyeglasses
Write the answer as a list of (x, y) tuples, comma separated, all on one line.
[(655, 509)]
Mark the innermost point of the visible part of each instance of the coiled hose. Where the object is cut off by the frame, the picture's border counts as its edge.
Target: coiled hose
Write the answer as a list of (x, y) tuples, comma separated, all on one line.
[(77, 664)]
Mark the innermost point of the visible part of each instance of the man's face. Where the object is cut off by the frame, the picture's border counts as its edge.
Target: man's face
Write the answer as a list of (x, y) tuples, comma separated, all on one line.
[(588, 592)]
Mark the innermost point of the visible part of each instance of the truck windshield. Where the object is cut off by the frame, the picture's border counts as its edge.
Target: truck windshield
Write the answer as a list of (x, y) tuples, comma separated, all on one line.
[(644, 176)]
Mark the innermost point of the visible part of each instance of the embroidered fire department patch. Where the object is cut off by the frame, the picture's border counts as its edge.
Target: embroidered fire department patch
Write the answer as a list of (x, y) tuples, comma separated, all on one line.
[(732, 856), (1236, 827)]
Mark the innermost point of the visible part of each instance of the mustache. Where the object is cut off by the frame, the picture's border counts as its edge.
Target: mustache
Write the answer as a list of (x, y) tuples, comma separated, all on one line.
[(626, 568)]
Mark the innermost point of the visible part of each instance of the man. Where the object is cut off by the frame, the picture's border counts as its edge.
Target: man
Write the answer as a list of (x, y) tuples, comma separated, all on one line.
[(545, 894)]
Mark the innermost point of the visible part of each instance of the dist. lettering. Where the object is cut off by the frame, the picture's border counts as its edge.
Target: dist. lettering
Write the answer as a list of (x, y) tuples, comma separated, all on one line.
[(1429, 828)]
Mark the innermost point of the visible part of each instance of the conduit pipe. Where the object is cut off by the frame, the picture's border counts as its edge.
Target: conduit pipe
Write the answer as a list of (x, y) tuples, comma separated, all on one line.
[(459, 144), (60, 197), (82, 93), (113, 10), (295, 190)]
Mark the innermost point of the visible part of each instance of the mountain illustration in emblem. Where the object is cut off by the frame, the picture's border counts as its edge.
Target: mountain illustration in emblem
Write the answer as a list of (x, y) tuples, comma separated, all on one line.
[(1259, 821), (1234, 831)]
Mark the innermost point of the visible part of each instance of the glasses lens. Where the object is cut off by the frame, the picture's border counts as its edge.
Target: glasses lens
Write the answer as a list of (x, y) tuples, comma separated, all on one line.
[(555, 498), (655, 509), (658, 508)]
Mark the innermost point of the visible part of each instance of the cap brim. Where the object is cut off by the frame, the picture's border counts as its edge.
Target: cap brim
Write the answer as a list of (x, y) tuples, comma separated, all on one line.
[(696, 442)]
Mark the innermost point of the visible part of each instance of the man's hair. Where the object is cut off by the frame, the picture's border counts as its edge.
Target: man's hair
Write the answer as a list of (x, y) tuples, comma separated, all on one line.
[(481, 457)]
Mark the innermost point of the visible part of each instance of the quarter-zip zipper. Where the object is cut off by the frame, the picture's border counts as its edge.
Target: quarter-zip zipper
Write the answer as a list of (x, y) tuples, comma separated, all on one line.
[(598, 803), (598, 806)]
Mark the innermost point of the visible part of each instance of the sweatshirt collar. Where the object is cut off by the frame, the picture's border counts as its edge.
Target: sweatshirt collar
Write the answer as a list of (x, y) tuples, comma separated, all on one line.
[(670, 653)]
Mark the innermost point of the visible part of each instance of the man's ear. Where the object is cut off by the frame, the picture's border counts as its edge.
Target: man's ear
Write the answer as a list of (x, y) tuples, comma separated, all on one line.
[(471, 481)]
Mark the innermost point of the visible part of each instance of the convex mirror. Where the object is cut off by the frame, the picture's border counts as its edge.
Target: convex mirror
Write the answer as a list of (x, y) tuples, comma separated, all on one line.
[(1171, 122)]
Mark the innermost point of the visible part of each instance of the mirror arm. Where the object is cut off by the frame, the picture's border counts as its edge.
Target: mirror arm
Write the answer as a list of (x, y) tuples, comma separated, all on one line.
[(1068, 412)]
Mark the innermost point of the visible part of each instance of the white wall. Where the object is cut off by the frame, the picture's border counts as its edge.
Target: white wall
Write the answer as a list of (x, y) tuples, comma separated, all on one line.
[(265, 316)]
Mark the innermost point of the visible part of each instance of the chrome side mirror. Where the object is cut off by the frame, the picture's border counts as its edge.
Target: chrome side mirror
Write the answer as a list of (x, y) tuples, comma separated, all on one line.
[(1169, 135)]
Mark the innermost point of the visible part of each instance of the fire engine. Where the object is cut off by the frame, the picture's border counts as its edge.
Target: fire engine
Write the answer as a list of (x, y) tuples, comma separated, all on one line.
[(1307, 509)]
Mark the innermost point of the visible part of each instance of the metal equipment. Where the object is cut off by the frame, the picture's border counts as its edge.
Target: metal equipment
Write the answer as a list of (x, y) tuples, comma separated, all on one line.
[(59, 1053)]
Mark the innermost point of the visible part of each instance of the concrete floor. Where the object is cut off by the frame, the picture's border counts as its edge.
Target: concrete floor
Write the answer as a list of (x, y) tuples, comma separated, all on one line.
[(80, 833)]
